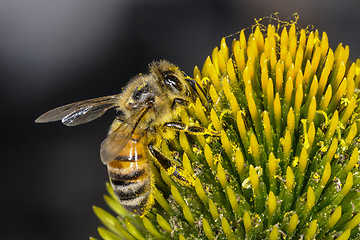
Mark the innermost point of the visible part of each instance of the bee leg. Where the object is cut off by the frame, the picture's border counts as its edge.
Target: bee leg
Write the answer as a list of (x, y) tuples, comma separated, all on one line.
[(193, 85), (174, 170), (179, 101), (195, 130)]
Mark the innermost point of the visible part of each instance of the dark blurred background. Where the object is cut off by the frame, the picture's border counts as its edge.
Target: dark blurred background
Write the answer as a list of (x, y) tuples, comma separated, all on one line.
[(56, 52)]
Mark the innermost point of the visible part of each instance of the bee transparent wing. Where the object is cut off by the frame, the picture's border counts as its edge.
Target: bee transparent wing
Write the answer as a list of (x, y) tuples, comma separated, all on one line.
[(79, 112), (118, 138)]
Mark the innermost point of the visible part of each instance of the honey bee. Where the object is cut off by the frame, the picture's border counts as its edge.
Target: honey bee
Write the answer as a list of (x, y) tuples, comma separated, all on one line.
[(146, 109)]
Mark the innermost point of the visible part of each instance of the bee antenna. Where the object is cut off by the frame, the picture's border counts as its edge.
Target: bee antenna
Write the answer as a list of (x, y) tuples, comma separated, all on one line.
[(193, 84)]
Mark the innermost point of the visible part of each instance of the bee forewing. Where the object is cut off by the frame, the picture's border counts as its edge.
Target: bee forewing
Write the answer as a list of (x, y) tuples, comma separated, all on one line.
[(119, 137), (80, 112), (112, 145)]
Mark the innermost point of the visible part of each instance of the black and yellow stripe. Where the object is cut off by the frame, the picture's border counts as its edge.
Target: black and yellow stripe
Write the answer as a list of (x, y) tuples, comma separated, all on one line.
[(131, 178)]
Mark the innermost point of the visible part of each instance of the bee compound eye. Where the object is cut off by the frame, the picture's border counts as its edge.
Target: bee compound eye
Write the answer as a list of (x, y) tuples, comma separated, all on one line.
[(172, 82)]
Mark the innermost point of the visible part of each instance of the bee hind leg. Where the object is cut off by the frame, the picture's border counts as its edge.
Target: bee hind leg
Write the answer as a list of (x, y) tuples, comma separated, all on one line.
[(175, 171), (195, 130)]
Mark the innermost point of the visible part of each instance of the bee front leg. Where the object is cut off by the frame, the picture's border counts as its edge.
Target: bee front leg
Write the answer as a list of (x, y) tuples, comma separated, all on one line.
[(195, 130), (174, 170), (179, 101)]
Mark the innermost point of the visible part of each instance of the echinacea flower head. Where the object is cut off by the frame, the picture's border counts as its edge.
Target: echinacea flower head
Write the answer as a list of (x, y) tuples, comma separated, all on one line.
[(285, 163)]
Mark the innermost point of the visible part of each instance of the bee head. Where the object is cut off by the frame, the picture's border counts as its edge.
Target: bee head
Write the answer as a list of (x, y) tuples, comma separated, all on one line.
[(170, 77)]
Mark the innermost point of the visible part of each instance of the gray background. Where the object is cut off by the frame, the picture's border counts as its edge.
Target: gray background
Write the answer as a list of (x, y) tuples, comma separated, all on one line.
[(57, 52)]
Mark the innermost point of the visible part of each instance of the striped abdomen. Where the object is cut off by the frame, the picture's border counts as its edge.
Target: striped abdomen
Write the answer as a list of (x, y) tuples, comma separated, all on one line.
[(131, 177)]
